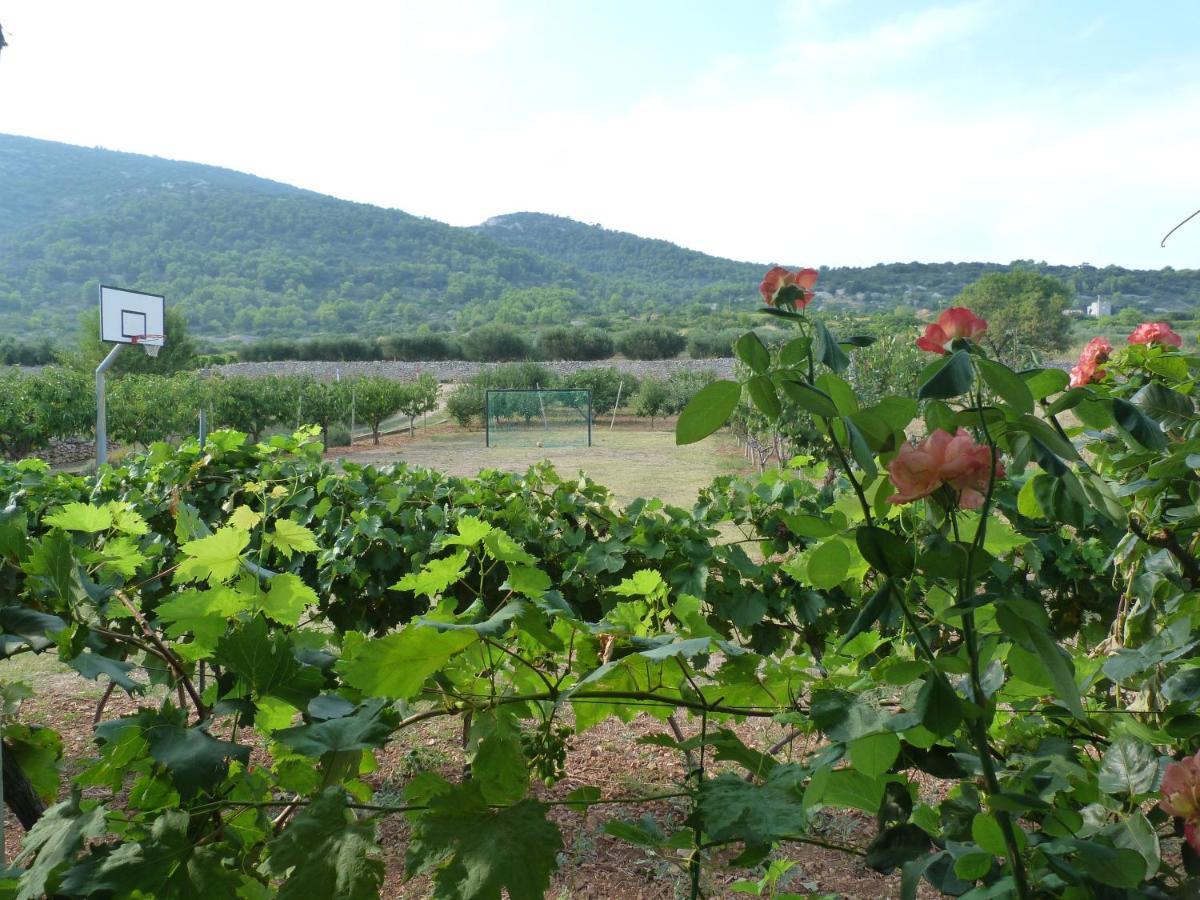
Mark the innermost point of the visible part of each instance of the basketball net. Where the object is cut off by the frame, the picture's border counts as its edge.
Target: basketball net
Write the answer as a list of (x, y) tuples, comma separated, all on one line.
[(151, 343)]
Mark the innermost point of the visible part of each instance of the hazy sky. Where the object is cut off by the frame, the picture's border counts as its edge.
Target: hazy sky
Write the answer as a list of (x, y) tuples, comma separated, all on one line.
[(809, 131)]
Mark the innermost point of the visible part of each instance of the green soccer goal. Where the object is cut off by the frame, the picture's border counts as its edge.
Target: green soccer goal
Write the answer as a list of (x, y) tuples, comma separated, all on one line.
[(537, 418)]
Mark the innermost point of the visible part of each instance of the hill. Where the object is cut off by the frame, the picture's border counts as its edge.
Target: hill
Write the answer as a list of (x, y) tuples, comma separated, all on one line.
[(242, 255), (647, 264), (238, 254)]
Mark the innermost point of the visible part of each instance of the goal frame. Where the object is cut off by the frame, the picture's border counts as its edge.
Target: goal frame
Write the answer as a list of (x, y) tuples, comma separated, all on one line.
[(487, 406)]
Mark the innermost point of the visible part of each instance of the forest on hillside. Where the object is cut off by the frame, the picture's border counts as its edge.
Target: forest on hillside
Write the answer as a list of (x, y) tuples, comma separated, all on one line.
[(244, 256)]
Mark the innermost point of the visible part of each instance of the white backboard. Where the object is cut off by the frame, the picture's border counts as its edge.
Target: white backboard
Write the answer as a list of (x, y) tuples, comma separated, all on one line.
[(126, 315)]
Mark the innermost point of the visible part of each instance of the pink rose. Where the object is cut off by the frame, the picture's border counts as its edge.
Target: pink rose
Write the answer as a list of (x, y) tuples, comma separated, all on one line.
[(954, 460), (1087, 369), (956, 322), (779, 278), (1181, 795), (1155, 333)]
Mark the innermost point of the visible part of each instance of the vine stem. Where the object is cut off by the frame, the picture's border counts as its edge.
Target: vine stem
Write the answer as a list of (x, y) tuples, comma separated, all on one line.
[(165, 652), (976, 726)]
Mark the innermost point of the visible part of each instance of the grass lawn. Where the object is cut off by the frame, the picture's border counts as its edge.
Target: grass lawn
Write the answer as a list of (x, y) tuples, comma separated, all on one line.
[(632, 460)]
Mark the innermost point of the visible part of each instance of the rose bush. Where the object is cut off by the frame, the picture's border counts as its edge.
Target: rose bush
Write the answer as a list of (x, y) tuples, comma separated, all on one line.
[(955, 547)]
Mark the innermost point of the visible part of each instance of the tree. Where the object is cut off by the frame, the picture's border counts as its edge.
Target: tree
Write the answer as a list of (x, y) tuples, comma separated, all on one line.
[(607, 386), (1024, 311), (417, 398), (652, 399), (249, 404), (323, 403), (376, 399), (177, 355), (143, 409)]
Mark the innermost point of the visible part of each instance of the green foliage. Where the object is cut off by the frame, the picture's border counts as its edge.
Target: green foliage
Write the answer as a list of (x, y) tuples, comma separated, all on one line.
[(420, 347), (1000, 684), (608, 385), (177, 355), (651, 400), (496, 343), (376, 399), (568, 343), (465, 404), (710, 344), (650, 342), (1024, 311), (143, 409), (36, 407)]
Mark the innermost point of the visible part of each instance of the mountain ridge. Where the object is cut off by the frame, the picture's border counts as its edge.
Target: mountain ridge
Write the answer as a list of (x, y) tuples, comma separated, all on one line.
[(242, 254)]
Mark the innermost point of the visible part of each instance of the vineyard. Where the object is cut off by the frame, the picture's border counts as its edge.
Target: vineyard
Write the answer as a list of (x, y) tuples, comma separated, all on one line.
[(970, 611)]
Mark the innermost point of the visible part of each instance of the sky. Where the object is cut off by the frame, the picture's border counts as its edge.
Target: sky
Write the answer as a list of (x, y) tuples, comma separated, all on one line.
[(813, 132)]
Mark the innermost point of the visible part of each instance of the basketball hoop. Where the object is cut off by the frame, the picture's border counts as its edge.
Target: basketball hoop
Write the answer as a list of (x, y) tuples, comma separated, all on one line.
[(151, 343)]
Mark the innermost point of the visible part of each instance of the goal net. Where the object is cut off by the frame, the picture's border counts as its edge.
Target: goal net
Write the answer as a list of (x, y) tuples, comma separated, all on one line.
[(537, 418)]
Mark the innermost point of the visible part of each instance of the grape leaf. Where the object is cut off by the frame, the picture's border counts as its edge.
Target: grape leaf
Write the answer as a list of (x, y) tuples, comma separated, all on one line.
[(244, 518), (213, 558), (194, 758), (367, 727), (482, 851), (80, 517), (397, 665), (56, 837), (733, 809), (287, 599), (167, 864), (470, 532), (327, 852), (267, 664), (203, 613), (435, 576), (289, 537)]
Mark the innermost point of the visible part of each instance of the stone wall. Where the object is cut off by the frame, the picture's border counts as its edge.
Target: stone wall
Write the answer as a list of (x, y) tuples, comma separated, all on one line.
[(457, 370)]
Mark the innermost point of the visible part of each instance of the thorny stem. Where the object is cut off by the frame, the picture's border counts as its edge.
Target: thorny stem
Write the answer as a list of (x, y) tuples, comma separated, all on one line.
[(976, 726)]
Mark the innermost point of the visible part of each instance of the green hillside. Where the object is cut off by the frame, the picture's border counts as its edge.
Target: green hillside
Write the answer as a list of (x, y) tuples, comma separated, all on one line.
[(242, 255), (645, 264)]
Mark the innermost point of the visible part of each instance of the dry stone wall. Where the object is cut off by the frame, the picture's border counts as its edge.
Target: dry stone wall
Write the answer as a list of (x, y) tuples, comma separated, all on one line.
[(457, 370)]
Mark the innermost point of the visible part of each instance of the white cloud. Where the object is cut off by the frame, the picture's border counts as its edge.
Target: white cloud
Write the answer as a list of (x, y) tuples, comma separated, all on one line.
[(887, 44)]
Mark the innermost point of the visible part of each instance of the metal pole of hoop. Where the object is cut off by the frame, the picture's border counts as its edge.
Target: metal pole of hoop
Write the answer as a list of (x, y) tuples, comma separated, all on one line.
[(151, 343)]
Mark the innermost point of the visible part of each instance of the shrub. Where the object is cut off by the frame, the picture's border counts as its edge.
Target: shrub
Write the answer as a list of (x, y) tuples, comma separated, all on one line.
[(518, 375), (574, 344), (421, 347), (711, 344), (21, 353), (605, 384), (495, 343), (465, 404), (651, 342)]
